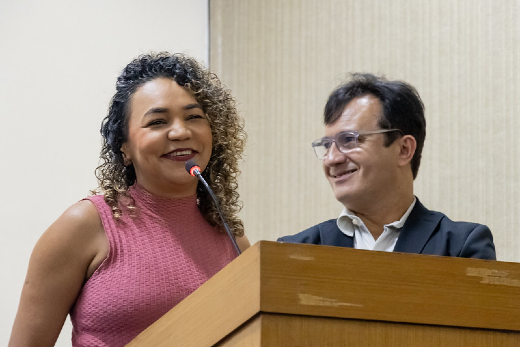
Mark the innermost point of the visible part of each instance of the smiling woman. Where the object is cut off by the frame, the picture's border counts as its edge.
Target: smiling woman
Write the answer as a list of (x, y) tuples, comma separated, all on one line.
[(166, 127), (228, 136), (120, 259)]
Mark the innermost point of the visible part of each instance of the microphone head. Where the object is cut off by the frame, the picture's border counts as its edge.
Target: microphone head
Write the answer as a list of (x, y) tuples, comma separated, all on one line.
[(192, 167)]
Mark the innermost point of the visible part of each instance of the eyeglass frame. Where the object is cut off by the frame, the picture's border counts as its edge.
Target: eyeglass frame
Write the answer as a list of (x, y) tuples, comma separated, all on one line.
[(356, 134)]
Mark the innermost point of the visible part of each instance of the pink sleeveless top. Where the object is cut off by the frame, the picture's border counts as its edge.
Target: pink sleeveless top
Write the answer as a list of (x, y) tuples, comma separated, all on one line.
[(156, 259)]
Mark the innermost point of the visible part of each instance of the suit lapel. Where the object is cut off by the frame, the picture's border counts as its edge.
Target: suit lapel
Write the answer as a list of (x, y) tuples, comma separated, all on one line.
[(331, 235), (417, 229)]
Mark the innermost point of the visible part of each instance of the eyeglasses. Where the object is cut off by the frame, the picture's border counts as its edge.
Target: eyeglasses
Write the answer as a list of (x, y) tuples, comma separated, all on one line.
[(345, 141)]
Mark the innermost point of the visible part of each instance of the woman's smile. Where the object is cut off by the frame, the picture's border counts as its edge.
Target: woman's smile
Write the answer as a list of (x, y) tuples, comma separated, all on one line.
[(166, 128)]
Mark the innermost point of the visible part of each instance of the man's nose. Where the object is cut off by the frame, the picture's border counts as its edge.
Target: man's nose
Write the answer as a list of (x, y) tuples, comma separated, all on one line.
[(334, 156)]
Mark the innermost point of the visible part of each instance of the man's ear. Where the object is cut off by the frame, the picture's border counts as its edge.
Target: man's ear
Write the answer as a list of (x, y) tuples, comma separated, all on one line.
[(407, 147)]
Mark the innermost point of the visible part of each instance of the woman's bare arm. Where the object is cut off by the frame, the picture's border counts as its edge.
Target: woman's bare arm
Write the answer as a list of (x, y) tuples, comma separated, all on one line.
[(63, 258)]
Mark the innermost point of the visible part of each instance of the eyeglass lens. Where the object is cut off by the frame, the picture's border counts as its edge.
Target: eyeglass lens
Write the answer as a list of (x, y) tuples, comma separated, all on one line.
[(345, 141)]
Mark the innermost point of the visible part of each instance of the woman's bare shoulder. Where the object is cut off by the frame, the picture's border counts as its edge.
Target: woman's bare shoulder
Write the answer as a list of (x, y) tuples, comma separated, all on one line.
[(81, 229), (66, 254), (243, 243), (82, 214)]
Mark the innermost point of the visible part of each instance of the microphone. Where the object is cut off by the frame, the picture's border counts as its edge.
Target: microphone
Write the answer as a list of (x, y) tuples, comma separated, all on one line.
[(194, 170)]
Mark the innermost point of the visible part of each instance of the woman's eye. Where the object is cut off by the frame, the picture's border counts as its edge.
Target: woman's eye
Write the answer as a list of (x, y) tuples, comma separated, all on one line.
[(156, 122), (195, 116)]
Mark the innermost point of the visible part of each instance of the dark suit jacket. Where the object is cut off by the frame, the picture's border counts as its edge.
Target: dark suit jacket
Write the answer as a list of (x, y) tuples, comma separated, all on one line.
[(424, 232)]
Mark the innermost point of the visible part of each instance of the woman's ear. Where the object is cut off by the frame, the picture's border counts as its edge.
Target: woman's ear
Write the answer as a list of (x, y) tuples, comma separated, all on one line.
[(407, 147), (127, 160)]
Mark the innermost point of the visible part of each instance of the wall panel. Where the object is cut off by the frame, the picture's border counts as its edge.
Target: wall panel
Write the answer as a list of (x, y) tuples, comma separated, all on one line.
[(282, 58)]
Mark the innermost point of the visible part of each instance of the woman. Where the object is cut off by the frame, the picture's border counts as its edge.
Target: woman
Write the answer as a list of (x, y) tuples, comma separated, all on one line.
[(118, 261)]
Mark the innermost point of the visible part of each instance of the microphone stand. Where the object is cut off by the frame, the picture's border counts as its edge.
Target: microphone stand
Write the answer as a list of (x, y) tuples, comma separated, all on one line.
[(194, 170)]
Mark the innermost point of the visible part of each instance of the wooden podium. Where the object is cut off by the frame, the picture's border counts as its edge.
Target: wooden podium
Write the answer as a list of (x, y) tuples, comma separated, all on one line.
[(305, 295)]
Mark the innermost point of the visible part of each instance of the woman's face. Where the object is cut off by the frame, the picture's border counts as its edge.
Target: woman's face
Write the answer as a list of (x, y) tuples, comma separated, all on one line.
[(166, 127)]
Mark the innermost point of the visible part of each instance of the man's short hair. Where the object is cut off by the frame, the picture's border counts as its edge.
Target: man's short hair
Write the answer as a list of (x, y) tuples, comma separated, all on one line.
[(403, 108)]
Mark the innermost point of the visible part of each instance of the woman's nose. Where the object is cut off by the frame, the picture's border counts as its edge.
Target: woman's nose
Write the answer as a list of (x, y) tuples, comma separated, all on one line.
[(178, 131)]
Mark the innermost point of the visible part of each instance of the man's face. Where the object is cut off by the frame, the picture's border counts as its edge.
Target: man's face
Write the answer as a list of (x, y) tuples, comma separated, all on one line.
[(367, 173)]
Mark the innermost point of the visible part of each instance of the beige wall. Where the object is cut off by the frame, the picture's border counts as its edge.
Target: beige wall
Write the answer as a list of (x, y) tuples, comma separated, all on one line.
[(58, 66), (281, 59)]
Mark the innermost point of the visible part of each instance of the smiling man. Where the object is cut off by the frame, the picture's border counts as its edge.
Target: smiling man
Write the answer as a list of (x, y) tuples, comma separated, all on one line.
[(371, 152)]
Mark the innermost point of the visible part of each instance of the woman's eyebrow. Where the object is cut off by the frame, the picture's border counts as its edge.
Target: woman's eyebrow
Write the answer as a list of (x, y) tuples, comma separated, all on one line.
[(156, 110), (192, 106)]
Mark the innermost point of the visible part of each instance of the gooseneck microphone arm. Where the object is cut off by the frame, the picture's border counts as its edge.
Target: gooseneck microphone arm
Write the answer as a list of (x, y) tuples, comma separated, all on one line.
[(194, 170)]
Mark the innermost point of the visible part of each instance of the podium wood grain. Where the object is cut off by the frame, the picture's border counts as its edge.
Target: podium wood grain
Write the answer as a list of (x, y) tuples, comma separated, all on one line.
[(285, 294), (306, 331)]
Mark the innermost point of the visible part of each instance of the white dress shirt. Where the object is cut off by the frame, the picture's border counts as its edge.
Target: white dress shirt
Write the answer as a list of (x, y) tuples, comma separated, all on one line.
[(351, 225)]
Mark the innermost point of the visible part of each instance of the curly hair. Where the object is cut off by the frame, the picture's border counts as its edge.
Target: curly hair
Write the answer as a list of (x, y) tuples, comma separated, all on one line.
[(114, 178)]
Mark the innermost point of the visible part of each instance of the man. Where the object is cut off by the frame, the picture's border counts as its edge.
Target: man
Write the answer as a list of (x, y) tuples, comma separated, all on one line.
[(371, 152)]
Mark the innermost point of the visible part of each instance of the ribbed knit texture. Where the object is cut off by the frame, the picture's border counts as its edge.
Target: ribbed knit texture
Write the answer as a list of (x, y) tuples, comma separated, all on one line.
[(156, 259)]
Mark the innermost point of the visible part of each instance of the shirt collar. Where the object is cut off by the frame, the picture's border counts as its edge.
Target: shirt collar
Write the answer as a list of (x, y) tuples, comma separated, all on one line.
[(347, 219)]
